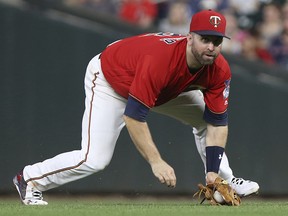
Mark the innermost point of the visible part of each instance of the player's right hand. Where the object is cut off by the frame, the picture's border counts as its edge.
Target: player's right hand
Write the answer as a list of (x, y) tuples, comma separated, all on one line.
[(164, 172)]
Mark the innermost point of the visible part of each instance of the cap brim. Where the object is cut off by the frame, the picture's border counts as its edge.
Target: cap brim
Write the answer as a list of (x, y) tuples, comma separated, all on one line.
[(214, 33)]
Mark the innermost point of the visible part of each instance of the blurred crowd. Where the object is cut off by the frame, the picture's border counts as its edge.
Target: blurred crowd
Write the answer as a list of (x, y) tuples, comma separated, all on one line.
[(258, 28)]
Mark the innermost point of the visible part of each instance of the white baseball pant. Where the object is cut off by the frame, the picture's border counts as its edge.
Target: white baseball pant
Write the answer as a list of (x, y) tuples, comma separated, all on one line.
[(101, 125)]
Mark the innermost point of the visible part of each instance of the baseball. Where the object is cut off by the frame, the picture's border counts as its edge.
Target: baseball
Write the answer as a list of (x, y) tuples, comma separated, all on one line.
[(218, 197)]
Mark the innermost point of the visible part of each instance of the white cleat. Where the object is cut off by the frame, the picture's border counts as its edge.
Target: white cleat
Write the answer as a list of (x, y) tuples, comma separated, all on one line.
[(243, 187), (28, 195)]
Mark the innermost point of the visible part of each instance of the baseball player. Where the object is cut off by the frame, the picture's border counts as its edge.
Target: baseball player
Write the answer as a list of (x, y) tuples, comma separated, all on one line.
[(184, 77)]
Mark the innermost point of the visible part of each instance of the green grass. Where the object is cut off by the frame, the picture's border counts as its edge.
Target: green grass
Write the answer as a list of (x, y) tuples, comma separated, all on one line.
[(82, 206)]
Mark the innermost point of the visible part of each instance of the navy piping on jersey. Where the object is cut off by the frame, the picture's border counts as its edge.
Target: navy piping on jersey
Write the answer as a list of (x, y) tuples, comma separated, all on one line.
[(214, 118), (136, 110)]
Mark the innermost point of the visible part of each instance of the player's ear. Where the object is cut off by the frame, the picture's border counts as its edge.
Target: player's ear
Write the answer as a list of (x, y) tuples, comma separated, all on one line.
[(189, 37)]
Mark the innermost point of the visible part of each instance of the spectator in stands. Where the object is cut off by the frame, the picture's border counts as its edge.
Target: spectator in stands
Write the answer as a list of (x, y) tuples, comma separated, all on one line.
[(246, 7), (271, 23), (246, 11), (236, 34), (253, 49), (178, 18), (218, 5), (103, 6), (139, 12), (279, 45)]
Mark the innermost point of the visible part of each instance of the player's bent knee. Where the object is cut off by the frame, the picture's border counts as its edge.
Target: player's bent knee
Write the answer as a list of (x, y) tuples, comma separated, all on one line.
[(97, 165)]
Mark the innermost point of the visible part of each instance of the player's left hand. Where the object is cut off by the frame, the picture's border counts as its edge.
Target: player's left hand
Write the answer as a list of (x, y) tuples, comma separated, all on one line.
[(211, 177), (164, 172), (219, 193)]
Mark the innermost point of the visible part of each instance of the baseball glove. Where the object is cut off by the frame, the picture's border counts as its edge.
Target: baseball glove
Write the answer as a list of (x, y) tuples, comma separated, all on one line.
[(218, 193)]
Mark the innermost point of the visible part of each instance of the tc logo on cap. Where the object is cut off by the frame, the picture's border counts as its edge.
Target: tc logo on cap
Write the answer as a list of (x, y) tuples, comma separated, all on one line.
[(215, 20)]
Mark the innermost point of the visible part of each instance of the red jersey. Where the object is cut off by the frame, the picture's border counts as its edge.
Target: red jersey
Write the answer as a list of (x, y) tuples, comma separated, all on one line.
[(152, 68)]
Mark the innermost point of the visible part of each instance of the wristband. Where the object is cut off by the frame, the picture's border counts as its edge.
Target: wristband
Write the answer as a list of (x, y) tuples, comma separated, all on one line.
[(213, 158)]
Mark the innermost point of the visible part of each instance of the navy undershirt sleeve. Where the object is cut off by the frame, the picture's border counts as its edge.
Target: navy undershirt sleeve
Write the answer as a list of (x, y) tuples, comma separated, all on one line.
[(136, 110), (215, 119)]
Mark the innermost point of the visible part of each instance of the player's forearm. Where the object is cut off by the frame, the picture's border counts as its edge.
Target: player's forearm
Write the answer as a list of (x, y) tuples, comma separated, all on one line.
[(216, 139), (141, 137), (216, 135)]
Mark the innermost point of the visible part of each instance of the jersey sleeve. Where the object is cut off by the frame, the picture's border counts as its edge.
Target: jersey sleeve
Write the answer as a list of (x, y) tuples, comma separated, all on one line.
[(216, 97), (136, 110), (214, 118)]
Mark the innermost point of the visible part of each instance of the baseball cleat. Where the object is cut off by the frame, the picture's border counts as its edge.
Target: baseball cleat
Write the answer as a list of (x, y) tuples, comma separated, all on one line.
[(28, 195), (243, 187)]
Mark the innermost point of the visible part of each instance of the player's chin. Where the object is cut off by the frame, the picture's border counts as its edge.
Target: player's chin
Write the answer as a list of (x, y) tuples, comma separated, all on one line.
[(208, 61)]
